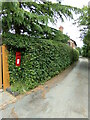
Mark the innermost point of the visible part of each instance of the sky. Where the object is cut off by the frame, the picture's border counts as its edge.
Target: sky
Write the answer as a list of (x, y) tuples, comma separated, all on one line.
[(70, 29)]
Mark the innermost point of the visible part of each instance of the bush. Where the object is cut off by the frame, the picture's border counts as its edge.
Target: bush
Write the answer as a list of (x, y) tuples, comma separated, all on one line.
[(79, 50), (75, 55), (88, 53), (40, 59)]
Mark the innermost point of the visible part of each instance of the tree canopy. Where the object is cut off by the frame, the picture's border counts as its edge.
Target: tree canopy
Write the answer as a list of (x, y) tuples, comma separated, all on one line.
[(84, 21), (33, 17)]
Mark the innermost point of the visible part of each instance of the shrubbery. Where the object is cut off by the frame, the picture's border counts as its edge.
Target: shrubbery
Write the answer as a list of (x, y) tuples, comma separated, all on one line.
[(40, 59), (86, 51)]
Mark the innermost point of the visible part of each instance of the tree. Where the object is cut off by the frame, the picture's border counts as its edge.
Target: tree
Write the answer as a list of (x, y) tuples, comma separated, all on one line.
[(79, 50), (33, 17), (84, 21)]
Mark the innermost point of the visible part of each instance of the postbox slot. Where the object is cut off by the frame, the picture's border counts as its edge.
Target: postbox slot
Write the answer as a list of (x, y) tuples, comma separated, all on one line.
[(18, 58)]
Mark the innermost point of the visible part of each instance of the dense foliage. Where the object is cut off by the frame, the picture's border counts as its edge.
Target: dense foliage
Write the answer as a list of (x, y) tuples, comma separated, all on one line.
[(33, 17), (43, 50), (21, 43), (84, 21), (79, 50), (41, 59)]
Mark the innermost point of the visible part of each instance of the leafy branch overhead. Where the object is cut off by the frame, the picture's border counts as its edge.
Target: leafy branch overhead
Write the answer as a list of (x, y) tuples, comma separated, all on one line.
[(31, 16)]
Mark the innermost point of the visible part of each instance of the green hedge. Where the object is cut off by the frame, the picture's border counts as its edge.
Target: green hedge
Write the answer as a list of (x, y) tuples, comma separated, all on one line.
[(40, 60)]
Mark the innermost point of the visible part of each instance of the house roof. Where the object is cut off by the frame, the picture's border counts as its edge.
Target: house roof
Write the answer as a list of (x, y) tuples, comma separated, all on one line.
[(74, 42)]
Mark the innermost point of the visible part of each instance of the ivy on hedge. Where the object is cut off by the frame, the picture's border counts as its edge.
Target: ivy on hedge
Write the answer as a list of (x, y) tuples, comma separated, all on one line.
[(40, 59)]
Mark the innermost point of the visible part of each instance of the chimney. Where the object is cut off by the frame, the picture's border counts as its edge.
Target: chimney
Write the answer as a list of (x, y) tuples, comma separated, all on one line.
[(61, 28)]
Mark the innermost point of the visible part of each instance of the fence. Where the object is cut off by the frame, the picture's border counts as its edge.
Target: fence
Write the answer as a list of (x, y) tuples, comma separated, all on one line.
[(0, 69), (4, 73)]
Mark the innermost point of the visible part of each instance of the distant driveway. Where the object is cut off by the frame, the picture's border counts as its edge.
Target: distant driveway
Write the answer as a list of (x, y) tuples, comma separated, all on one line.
[(66, 99)]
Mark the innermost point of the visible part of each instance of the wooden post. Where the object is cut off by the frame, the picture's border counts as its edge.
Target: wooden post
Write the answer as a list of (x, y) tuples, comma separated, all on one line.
[(6, 82), (0, 70)]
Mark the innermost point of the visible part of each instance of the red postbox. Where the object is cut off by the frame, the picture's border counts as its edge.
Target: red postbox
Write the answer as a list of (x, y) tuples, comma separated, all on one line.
[(18, 58)]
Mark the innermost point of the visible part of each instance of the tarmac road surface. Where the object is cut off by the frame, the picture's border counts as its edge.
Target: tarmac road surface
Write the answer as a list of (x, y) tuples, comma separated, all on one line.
[(68, 98)]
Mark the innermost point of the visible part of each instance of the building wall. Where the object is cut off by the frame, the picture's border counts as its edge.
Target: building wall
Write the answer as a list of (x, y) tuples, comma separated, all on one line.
[(70, 42)]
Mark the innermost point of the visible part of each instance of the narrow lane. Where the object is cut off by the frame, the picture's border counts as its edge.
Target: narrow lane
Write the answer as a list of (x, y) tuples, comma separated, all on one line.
[(67, 99)]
